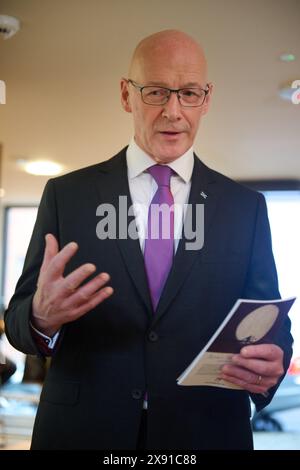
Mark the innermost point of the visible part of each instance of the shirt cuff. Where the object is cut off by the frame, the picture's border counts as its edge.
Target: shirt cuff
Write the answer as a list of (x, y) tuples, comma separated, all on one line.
[(50, 342)]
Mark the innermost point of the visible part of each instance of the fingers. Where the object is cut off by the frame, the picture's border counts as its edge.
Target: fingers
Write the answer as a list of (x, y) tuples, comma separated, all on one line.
[(247, 378), (262, 351), (51, 249), (58, 299), (85, 293), (267, 361), (73, 280), (256, 386), (95, 300), (57, 264), (256, 368), (54, 261)]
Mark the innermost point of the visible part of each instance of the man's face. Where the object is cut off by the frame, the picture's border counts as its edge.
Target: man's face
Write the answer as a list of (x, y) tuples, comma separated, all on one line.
[(166, 132)]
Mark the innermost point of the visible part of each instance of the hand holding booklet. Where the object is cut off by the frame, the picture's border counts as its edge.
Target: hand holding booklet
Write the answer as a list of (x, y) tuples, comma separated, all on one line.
[(248, 322)]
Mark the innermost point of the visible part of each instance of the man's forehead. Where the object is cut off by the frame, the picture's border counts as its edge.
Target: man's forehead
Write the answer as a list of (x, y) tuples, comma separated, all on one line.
[(180, 58), (170, 76), (166, 68)]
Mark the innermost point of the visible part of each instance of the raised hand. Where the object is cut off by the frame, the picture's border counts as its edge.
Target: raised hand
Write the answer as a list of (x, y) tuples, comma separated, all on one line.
[(58, 299)]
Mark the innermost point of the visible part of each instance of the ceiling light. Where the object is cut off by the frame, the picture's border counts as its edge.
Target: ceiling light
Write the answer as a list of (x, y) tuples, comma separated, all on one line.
[(40, 167), (8, 26)]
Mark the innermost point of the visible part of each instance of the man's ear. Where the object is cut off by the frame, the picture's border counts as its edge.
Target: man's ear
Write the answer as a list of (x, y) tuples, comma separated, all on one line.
[(205, 106), (125, 95)]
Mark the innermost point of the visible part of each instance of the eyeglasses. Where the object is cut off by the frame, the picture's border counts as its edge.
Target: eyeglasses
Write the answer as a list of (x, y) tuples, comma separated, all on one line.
[(158, 96)]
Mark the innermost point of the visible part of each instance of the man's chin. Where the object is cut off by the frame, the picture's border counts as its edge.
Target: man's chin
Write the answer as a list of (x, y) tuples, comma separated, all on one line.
[(168, 153)]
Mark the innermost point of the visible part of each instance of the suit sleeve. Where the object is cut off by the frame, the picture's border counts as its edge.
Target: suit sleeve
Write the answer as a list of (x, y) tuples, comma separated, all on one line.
[(262, 283), (18, 313)]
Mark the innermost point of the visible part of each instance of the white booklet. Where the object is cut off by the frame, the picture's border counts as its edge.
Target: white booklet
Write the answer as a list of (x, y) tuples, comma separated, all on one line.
[(248, 322)]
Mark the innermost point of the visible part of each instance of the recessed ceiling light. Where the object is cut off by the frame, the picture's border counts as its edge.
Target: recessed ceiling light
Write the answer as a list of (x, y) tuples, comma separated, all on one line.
[(8, 26), (287, 57), (41, 167)]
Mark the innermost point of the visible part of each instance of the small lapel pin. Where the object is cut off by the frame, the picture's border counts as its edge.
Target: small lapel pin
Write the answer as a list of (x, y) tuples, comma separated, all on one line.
[(203, 195)]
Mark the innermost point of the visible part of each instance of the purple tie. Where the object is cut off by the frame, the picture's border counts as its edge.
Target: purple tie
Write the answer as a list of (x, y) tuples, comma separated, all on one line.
[(159, 243)]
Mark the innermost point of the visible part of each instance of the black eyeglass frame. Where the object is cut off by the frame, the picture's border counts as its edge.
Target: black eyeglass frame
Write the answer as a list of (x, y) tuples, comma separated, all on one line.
[(171, 90)]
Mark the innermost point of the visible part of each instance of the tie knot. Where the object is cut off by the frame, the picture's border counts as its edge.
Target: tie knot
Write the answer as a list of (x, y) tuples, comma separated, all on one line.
[(161, 174)]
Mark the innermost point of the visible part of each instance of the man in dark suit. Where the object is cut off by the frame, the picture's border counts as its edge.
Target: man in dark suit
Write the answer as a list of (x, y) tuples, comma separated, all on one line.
[(117, 351)]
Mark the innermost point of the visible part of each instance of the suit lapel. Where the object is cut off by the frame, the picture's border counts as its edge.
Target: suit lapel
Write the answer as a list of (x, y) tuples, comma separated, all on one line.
[(202, 187), (112, 182)]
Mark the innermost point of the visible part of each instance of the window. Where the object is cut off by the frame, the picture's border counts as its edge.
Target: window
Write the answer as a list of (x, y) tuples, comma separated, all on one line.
[(284, 216), (19, 222), (18, 226), (283, 201)]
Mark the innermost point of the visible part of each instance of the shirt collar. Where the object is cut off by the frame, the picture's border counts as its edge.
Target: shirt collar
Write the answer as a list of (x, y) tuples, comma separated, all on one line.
[(139, 161)]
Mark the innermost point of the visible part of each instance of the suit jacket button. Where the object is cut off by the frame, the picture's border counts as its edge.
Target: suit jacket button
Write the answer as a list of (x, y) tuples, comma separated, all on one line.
[(137, 394), (153, 336)]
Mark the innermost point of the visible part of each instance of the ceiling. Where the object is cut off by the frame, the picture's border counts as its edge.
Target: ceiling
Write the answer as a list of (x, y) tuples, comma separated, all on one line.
[(62, 72)]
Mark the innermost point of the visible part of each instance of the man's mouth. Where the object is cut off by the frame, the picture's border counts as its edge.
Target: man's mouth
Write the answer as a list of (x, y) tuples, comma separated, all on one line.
[(170, 132)]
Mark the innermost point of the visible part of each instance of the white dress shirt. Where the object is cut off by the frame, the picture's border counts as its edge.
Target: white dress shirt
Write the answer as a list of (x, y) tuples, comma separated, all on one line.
[(143, 187)]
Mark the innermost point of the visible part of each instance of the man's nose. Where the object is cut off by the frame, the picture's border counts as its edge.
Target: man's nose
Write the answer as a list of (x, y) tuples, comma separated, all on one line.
[(172, 108)]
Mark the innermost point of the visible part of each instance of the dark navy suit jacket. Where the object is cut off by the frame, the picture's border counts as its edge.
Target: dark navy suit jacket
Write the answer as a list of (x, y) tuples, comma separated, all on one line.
[(106, 361)]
